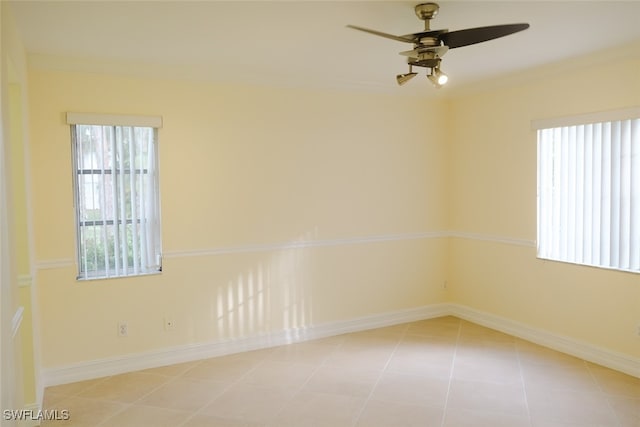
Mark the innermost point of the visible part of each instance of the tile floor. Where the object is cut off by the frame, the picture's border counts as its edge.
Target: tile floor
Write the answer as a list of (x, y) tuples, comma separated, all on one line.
[(439, 372)]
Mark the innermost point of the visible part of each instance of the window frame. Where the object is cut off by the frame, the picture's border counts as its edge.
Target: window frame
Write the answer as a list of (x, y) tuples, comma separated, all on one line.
[(578, 124), (127, 271)]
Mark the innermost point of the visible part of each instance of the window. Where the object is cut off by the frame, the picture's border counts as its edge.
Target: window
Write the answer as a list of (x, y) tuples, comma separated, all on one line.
[(116, 195), (589, 189)]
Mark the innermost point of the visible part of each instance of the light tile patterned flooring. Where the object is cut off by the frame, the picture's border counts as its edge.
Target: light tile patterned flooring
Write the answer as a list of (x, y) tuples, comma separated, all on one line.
[(438, 372)]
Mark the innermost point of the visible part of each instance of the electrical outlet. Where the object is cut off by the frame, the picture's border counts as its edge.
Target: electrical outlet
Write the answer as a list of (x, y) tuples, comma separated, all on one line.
[(169, 324), (123, 329)]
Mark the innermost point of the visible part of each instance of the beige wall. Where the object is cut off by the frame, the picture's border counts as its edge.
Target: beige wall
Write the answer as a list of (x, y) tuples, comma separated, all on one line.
[(21, 251), (493, 194), (19, 374), (245, 173), (360, 180)]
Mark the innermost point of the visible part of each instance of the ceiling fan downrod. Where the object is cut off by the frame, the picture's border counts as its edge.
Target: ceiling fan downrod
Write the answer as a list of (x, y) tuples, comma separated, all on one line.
[(426, 12)]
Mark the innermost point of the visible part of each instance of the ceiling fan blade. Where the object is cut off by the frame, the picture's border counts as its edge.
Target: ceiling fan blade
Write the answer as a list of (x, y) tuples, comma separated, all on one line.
[(478, 35), (381, 34)]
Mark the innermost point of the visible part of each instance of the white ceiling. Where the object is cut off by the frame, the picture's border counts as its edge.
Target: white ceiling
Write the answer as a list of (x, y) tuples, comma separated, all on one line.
[(306, 43)]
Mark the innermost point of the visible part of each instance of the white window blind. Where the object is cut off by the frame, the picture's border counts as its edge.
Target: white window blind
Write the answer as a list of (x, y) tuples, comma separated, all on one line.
[(589, 191), (116, 197)]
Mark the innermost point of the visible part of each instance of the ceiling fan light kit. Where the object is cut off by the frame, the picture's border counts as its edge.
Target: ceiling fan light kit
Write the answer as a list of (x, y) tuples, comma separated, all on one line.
[(403, 78), (429, 46), (437, 77)]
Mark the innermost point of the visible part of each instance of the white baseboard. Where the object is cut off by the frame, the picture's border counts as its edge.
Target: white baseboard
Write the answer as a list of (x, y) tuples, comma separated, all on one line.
[(589, 352), (186, 353)]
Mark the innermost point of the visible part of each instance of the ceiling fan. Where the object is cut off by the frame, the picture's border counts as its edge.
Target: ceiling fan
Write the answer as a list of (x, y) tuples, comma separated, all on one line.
[(429, 46)]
